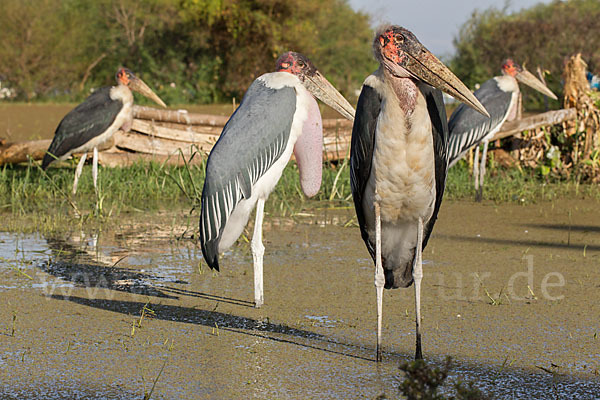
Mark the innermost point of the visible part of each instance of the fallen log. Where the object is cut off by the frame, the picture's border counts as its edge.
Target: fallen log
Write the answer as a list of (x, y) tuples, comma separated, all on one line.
[(19, 152), (124, 159), (172, 134), (339, 123), (536, 121), (180, 116), (14, 153), (112, 159), (202, 129), (167, 134), (165, 147)]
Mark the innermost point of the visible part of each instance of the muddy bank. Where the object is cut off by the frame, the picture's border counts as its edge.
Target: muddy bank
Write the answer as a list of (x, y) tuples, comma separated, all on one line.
[(512, 293)]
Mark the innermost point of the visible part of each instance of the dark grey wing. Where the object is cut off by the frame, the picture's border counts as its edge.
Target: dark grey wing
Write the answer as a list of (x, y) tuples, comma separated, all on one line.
[(468, 127), (361, 153), (83, 123), (252, 140), (439, 130)]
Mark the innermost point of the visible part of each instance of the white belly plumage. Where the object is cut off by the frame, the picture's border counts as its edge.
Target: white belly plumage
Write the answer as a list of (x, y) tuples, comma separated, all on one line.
[(403, 174)]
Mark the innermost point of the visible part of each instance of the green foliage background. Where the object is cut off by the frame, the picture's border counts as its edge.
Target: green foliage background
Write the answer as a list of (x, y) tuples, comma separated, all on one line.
[(199, 51), (206, 51), (544, 35)]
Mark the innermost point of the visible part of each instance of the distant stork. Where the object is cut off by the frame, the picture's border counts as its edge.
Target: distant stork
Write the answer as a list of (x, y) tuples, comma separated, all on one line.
[(399, 159), (499, 96), (277, 115), (94, 121)]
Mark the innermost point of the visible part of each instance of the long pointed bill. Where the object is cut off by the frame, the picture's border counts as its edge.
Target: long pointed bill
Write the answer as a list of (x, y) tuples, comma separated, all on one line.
[(530, 80), (139, 86), (428, 68), (324, 91)]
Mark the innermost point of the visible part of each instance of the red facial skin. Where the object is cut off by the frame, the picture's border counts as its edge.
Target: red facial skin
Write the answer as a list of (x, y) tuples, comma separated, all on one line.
[(389, 47), (122, 77), (511, 68), (287, 63)]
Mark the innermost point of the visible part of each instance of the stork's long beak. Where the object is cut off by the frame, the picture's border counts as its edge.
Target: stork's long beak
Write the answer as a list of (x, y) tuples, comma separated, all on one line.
[(320, 87), (139, 86), (530, 80), (428, 68)]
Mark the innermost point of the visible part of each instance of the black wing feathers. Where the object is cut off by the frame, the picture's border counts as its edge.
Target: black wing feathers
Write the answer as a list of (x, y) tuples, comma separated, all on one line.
[(439, 130), (361, 152), (468, 127), (86, 121)]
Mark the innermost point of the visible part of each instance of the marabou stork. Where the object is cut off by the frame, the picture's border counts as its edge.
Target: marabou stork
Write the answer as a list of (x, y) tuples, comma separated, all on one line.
[(499, 96), (277, 115), (399, 159), (94, 121)]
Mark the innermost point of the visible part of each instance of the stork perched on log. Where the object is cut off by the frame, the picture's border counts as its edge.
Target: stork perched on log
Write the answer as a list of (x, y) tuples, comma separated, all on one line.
[(499, 96), (277, 115), (94, 121), (399, 159)]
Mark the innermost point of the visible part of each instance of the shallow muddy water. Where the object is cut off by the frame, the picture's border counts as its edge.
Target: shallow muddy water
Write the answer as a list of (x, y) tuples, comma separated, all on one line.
[(511, 293), (33, 121)]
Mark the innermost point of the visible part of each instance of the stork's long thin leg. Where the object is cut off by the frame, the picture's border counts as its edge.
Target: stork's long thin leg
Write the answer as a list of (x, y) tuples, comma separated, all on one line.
[(379, 277), (417, 276), (476, 171), (78, 173), (258, 251), (95, 168), (482, 169)]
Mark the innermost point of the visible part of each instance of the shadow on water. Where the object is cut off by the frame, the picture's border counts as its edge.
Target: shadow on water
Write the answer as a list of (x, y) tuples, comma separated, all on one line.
[(566, 227), (62, 389), (498, 381), (519, 242), (82, 269), (77, 266), (227, 322)]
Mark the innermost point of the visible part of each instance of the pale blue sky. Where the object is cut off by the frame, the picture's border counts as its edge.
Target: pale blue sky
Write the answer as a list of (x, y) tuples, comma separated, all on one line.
[(434, 22)]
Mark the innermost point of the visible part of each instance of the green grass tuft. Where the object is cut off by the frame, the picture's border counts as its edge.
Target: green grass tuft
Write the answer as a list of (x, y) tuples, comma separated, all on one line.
[(27, 191)]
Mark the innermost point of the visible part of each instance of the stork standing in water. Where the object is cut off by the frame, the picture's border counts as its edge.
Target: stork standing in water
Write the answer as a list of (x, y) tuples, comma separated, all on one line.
[(277, 115), (94, 121), (399, 159), (500, 97)]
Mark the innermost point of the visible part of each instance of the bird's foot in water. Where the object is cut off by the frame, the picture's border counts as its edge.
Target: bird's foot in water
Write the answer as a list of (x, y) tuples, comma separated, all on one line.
[(479, 195)]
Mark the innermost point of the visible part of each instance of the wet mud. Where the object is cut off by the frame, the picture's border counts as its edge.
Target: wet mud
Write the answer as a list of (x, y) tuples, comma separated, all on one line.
[(511, 293)]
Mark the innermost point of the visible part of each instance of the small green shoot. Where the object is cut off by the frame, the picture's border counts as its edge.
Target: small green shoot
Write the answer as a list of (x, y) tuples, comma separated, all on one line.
[(146, 311), (21, 272), (533, 296), (493, 301)]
